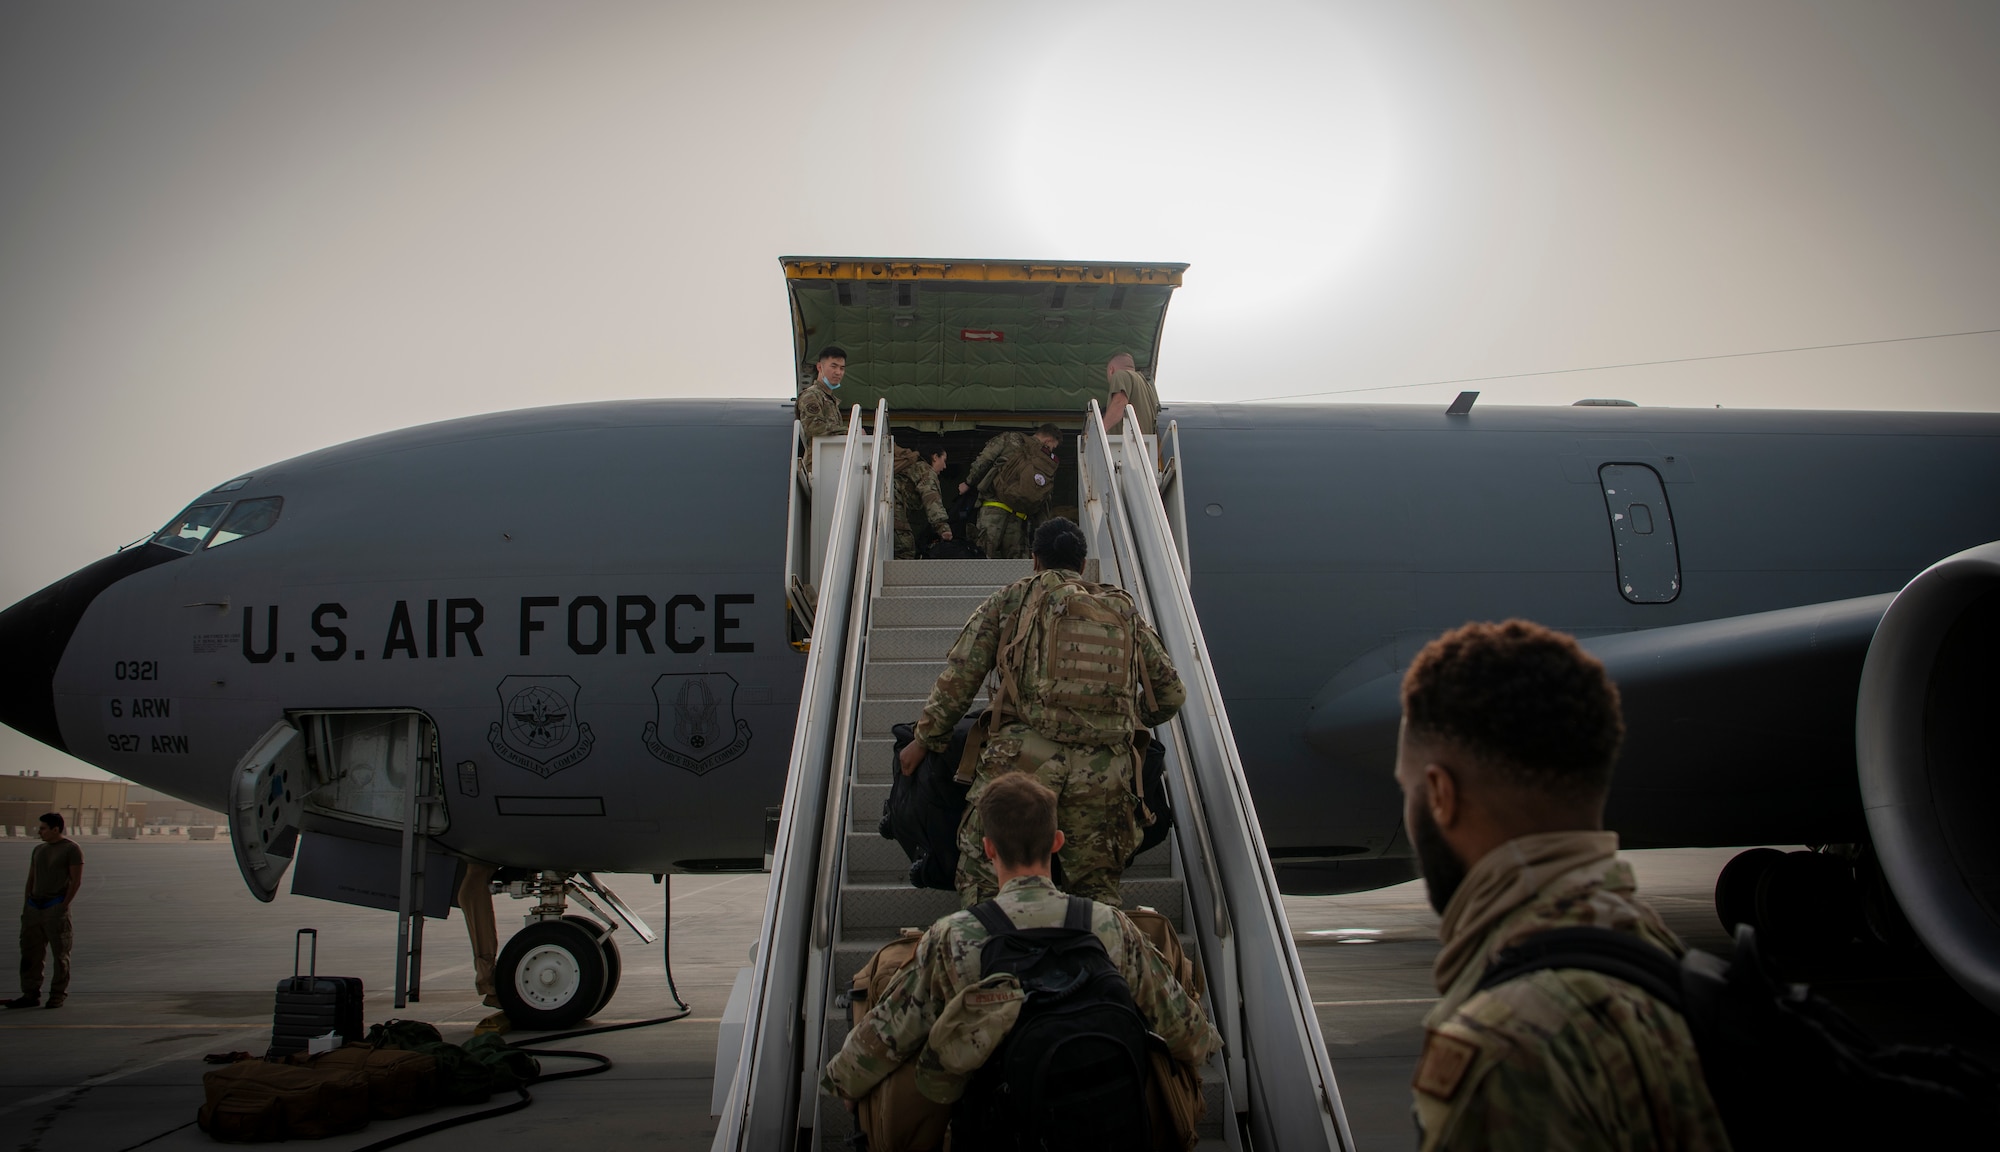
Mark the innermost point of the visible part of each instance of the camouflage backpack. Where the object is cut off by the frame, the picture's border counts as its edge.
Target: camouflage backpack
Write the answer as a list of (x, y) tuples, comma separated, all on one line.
[(1025, 477), (1072, 663)]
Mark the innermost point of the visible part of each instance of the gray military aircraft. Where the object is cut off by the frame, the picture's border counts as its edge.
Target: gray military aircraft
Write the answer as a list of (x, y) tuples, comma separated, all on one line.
[(576, 630)]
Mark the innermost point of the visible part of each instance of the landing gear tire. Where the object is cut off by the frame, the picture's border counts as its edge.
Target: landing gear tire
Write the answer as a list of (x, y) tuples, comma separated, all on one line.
[(551, 975), (1736, 887), (1808, 905), (614, 966)]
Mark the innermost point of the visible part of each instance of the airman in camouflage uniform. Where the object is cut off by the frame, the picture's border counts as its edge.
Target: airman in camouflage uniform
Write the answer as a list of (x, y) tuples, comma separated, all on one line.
[(916, 483), (817, 408), (942, 1015), (1001, 530), (1509, 735), (1555, 1058), (1090, 769)]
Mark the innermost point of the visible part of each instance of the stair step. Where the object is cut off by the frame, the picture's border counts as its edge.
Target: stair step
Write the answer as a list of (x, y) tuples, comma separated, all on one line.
[(923, 611), (989, 574), (964, 573), (912, 643), (913, 678)]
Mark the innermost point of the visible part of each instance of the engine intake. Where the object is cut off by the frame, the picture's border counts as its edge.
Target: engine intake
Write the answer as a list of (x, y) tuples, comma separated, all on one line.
[(1927, 746)]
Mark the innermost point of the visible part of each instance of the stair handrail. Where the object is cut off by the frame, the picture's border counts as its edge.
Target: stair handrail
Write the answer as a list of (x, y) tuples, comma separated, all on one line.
[(762, 1108), (1284, 1047)]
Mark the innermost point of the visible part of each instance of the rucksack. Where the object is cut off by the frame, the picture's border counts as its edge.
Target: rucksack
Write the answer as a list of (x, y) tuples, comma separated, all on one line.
[(1024, 478), (922, 811), (1787, 1069), (1081, 639), (1072, 1072)]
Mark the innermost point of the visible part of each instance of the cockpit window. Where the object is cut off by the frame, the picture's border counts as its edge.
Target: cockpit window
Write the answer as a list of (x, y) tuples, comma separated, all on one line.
[(247, 518), (230, 486), (186, 532)]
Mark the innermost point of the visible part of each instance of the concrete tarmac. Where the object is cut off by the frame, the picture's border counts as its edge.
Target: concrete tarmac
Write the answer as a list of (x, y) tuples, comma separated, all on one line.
[(175, 959)]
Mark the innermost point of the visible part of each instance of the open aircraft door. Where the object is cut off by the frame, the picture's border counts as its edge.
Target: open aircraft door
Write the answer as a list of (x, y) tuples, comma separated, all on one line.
[(266, 806)]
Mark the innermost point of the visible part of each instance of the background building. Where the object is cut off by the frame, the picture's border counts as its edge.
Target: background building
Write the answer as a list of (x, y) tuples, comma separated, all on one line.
[(93, 807)]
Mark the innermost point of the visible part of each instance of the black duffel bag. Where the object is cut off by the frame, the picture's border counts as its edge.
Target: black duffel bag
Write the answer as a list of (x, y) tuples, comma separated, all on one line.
[(923, 809), (1154, 799)]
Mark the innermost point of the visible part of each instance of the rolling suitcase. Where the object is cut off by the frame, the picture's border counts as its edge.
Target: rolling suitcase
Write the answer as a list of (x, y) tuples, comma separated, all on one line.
[(313, 1005)]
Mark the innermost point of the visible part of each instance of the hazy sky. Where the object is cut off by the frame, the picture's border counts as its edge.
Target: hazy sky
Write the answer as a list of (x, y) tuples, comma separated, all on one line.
[(234, 232)]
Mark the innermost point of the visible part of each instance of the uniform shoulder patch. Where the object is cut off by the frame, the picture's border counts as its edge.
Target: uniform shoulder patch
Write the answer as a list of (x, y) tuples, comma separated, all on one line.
[(1445, 1062)]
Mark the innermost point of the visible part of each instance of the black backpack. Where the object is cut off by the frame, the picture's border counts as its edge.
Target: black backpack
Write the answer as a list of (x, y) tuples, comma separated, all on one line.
[(1787, 1068), (1071, 1073), (923, 809)]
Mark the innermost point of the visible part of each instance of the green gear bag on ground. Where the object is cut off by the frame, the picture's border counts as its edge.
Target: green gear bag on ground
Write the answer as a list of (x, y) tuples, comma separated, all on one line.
[(467, 1074)]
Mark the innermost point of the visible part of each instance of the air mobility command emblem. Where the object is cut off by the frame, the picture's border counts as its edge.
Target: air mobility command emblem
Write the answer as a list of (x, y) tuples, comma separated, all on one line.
[(538, 729), (696, 726)]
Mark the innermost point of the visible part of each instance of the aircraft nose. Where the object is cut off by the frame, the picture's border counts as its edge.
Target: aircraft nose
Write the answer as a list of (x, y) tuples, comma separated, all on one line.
[(35, 632), (27, 670)]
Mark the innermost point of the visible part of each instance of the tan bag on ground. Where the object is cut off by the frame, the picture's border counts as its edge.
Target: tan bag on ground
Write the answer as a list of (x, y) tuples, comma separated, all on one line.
[(1175, 1092), (255, 1101), (399, 1083), (895, 1116)]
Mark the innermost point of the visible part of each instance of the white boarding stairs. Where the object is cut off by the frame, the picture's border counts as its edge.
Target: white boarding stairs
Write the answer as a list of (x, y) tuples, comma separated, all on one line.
[(881, 628)]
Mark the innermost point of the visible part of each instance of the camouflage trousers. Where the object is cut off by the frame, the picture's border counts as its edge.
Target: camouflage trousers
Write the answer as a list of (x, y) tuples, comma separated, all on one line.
[(1001, 534), (1093, 787), (906, 541)]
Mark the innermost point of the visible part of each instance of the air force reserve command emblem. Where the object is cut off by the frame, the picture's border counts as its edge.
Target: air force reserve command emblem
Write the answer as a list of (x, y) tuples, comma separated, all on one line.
[(538, 729), (697, 728)]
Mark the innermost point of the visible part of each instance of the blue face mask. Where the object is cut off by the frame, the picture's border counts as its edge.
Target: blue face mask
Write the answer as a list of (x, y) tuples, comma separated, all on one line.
[(830, 384)]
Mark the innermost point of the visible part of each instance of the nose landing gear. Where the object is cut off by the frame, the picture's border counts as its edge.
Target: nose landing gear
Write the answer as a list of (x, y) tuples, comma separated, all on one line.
[(562, 968), (1808, 905)]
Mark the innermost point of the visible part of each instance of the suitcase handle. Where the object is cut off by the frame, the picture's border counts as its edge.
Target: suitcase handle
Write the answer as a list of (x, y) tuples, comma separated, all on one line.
[(299, 940)]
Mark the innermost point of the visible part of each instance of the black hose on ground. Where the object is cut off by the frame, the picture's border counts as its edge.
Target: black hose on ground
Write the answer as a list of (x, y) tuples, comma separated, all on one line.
[(603, 1065)]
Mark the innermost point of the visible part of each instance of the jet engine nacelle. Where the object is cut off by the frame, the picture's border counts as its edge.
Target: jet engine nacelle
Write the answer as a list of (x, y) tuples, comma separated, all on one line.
[(1927, 743)]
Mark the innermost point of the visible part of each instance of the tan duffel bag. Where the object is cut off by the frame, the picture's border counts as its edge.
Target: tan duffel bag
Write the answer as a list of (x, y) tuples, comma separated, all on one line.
[(894, 1116), (256, 1101), (1175, 1093), (399, 1083)]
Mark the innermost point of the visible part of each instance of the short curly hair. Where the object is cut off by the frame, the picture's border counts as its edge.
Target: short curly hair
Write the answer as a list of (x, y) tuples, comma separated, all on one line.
[(1060, 544), (1527, 700)]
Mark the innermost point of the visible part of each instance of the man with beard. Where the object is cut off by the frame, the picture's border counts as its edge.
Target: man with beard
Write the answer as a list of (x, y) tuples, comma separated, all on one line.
[(1509, 734)]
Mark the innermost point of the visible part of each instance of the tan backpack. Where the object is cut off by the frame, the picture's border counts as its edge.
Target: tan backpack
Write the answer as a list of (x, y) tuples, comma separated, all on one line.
[(894, 1116), (1071, 667), (1025, 477)]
